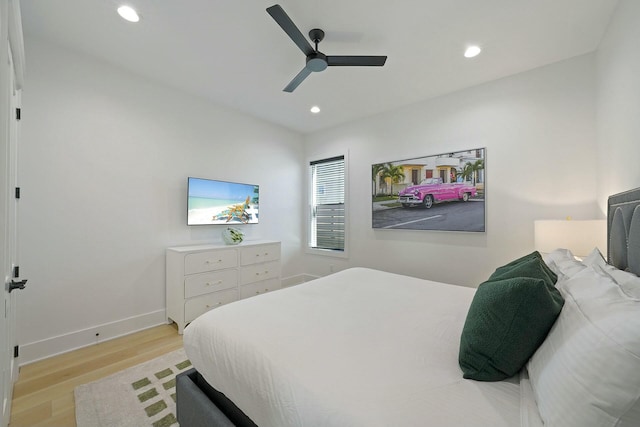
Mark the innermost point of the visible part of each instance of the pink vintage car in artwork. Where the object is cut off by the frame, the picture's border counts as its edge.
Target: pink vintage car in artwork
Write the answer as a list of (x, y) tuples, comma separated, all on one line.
[(433, 190)]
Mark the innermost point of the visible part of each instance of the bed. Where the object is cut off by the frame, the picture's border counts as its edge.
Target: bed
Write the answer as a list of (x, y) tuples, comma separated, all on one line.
[(369, 348)]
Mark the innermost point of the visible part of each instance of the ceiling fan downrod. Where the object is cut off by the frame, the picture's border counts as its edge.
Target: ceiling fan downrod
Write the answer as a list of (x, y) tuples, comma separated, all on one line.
[(316, 35)]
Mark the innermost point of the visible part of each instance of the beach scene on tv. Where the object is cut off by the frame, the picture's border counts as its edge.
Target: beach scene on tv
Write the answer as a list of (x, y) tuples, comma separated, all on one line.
[(221, 202)]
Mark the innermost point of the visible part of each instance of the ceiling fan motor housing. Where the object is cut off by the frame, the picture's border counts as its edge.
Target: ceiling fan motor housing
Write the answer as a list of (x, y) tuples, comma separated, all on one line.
[(317, 61)]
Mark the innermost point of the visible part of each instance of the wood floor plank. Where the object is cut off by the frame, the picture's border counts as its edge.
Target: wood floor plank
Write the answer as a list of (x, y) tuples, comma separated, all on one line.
[(35, 415), (60, 373), (78, 356), (43, 394)]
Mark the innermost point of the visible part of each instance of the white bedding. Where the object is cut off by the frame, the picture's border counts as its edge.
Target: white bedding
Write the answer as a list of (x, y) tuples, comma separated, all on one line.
[(357, 348)]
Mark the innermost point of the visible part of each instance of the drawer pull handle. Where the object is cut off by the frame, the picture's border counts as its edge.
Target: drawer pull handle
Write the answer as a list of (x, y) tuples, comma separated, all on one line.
[(257, 292)]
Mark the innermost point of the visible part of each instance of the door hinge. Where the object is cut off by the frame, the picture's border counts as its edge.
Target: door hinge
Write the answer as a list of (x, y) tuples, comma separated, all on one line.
[(16, 351), (18, 113), (16, 271), (17, 192)]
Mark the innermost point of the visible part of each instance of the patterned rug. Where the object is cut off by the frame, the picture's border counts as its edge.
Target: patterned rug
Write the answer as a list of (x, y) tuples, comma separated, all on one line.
[(143, 395)]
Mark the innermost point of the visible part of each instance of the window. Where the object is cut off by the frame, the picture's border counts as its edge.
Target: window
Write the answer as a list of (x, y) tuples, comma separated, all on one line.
[(327, 220)]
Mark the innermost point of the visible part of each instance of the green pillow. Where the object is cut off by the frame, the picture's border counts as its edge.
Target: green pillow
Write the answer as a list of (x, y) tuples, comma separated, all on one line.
[(532, 255), (508, 320), (531, 265)]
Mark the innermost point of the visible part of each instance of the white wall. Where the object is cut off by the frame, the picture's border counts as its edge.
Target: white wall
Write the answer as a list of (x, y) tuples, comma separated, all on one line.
[(618, 83), (105, 157), (539, 131)]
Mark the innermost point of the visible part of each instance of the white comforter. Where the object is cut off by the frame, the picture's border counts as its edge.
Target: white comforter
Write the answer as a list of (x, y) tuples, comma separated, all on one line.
[(357, 348)]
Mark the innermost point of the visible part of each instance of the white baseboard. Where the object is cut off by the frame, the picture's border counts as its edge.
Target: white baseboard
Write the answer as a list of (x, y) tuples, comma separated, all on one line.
[(32, 352), (296, 280)]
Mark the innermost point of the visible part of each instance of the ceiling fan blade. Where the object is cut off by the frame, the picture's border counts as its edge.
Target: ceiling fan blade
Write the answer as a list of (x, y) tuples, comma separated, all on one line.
[(297, 80), (281, 17), (371, 61)]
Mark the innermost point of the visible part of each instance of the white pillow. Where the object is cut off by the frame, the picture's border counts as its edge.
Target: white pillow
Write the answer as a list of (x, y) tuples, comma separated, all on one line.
[(557, 255), (629, 283), (595, 258), (587, 371), (563, 263)]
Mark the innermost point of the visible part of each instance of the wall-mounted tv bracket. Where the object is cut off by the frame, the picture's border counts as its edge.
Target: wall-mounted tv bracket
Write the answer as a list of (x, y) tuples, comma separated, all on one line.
[(17, 285)]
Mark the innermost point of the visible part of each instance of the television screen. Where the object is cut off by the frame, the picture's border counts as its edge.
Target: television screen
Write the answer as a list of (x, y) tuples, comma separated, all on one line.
[(221, 202)]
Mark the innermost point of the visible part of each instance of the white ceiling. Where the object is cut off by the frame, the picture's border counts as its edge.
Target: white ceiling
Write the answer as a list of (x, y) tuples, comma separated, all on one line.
[(234, 53)]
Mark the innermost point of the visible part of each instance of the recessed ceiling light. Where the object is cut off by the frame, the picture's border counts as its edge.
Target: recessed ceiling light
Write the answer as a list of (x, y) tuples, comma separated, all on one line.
[(128, 13), (472, 51), (315, 109)]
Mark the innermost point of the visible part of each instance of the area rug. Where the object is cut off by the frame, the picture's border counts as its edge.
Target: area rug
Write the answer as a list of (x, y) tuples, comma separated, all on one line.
[(143, 395)]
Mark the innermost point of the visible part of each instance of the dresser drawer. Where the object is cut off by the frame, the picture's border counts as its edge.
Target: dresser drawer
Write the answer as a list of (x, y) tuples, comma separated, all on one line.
[(200, 305), (262, 253), (199, 262), (253, 289), (204, 283), (258, 272)]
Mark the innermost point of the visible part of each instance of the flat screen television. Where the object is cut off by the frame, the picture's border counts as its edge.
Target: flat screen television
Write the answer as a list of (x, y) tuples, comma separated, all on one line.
[(221, 202)]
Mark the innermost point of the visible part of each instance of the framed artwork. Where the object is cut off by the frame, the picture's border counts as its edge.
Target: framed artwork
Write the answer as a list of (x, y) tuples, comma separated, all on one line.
[(444, 192)]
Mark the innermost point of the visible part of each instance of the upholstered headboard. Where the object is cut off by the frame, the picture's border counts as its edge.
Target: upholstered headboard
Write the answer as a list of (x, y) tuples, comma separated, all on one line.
[(623, 231)]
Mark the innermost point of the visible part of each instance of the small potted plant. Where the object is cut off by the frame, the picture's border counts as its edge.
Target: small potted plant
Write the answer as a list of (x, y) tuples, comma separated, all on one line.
[(232, 236)]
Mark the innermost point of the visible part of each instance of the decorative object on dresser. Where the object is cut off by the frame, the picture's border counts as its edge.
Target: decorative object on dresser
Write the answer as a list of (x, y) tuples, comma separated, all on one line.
[(232, 236), (202, 277)]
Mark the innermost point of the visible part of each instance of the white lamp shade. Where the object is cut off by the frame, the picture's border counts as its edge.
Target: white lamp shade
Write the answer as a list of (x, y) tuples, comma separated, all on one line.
[(580, 237)]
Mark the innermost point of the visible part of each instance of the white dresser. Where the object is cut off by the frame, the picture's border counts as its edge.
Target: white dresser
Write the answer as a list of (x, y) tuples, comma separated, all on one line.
[(203, 277)]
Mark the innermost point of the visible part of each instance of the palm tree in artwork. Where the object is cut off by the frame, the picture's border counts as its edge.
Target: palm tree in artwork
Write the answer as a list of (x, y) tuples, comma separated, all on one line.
[(476, 167), (394, 173), (466, 172), (375, 172)]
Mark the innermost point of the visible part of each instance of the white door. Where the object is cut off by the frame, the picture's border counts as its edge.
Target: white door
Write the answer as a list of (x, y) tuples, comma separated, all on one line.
[(12, 273), (11, 63)]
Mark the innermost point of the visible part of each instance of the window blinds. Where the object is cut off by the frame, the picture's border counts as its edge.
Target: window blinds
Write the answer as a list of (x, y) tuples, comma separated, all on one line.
[(327, 206)]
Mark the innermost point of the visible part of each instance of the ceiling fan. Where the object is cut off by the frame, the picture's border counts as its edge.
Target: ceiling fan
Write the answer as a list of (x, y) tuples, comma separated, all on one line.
[(316, 60)]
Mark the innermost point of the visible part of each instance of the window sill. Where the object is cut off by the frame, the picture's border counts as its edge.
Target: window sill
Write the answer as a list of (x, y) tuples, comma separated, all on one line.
[(327, 253)]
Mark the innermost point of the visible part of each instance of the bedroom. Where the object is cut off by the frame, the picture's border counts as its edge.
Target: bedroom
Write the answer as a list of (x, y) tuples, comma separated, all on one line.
[(117, 145)]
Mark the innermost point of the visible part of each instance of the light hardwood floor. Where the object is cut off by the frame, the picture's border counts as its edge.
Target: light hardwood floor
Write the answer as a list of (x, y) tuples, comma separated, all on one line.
[(43, 394)]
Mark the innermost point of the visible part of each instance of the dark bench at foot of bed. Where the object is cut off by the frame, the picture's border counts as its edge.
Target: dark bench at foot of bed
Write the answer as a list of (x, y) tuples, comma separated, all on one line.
[(200, 405)]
